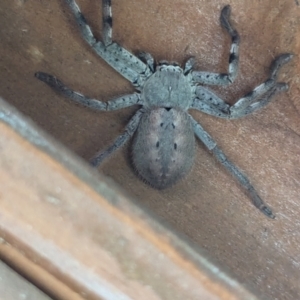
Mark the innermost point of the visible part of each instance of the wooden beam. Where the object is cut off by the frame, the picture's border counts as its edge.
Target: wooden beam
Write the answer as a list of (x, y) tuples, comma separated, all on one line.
[(76, 235)]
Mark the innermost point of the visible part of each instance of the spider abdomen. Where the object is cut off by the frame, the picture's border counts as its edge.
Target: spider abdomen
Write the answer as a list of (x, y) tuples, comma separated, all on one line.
[(164, 146)]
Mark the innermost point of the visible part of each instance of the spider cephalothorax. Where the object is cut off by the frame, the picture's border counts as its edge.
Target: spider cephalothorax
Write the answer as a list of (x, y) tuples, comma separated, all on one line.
[(164, 132)]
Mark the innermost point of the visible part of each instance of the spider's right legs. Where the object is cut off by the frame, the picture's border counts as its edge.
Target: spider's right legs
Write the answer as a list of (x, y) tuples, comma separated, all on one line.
[(209, 103), (120, 141), (266, 90), (223, 79), (129, 66), (118, 103), (243, 180)]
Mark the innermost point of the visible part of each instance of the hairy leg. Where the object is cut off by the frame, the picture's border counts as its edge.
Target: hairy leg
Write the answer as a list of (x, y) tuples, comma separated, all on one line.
[(210, 103), (120, 141), (124, 62), (219, 78), (235, 172), (118, 103)]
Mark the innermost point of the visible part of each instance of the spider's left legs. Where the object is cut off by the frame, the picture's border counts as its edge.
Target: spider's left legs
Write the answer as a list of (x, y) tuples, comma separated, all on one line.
[(120, 141), (219, 78), (243, 180), (118, 103)]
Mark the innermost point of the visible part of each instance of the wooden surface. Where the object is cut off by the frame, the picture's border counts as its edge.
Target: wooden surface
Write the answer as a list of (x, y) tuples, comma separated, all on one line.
[(208, 206), (76, 236), (15, 287)]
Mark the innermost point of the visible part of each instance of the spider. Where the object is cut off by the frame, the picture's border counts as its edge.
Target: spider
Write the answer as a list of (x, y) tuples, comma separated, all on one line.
[(163, 148)]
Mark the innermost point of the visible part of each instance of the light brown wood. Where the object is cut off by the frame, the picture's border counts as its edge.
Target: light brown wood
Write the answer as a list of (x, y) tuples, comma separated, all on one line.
[(15, 287), (76, 236)]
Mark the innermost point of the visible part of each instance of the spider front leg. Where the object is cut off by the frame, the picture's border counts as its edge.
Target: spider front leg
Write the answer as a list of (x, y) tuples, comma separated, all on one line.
[(223, 79), (118, 103), (220, 156), (124, 62), (209, 103)]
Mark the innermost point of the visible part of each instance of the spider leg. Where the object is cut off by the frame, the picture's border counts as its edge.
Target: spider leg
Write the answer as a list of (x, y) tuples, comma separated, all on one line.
[(209, 103), (124, 62), (118, 103), (120, 141), (263, 92), (246, 105), (235, 172), (107, 22), (219, 78), (189, 64), (148, 58)]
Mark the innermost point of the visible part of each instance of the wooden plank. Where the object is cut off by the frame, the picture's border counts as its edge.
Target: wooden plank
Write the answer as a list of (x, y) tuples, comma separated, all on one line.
[(76, 235), (15, 287)]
